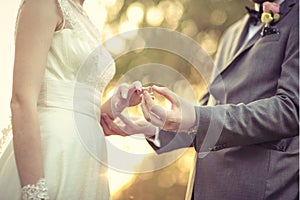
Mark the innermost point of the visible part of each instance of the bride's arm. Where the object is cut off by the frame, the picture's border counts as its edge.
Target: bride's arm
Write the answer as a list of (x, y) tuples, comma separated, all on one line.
[(36, 25)]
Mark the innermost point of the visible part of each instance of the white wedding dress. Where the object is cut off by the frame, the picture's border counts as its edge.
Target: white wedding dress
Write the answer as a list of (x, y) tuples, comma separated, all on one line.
[(73, 144)]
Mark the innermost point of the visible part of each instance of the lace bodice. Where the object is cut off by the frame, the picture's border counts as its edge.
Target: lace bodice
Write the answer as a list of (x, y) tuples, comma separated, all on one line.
[(72, 45), (76, 57)]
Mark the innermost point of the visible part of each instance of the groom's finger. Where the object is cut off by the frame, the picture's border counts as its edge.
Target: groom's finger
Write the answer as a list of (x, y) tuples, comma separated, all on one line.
[(159, 112), (167, 93), (154, 108), (156, 121), (148, 100), (145, 110)]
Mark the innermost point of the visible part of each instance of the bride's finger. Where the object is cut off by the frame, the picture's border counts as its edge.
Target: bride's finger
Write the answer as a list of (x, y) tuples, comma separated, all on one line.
[(123, 91), (110, 126), (130, 127), (138, 85), (127, 121), (106, 130), (133, 92)]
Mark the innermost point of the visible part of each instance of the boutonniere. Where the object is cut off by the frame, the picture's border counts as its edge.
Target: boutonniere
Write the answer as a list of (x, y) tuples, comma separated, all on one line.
[(270, 17)]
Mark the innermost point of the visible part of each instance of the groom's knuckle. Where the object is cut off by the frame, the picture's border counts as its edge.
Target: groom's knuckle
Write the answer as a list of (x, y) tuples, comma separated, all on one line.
[(164, 89)]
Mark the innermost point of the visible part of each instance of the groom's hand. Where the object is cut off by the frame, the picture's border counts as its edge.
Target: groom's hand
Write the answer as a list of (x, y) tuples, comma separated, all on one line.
[(181, 116)]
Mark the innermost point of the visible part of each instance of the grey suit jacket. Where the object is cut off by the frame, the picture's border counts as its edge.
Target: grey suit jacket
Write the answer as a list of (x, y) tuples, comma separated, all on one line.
[(252, 130)]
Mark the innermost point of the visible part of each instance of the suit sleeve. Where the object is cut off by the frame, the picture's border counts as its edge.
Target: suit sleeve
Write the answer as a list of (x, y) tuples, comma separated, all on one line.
[(170, 141), (262, 121)]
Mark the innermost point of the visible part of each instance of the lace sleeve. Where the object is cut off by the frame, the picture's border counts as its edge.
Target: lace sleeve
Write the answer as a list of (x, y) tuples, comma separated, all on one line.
[(66, 11), (74, 17)]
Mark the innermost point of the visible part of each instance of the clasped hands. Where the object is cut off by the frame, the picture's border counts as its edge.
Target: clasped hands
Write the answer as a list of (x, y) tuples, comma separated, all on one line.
[(179, 118)]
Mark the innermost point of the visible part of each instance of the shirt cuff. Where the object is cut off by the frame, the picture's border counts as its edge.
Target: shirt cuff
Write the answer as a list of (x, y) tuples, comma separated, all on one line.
[(155, 139)]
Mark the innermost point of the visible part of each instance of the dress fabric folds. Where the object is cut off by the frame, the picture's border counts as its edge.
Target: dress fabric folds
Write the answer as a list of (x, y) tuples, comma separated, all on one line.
[(73, 143)]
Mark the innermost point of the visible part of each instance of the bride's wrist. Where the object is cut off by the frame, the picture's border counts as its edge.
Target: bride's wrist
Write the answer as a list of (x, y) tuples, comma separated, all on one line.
[(106, 108), (38, 191)]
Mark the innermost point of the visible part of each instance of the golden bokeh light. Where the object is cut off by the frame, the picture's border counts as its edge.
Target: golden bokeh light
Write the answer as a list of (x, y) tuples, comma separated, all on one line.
[(116, 45), (99, 15), (218, 17), (113, 8), (209, 40), (167, 179), (117, 180), (173, 11), (189, 27), (109, 3), (135, 13), (128, 30), (155, 16)]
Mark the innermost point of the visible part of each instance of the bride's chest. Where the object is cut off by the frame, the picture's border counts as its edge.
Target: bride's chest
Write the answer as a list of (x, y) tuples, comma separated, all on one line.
[(75, 55)]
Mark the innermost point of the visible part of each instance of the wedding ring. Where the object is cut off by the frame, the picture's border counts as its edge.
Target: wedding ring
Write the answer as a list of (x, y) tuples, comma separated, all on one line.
[(149, 89)]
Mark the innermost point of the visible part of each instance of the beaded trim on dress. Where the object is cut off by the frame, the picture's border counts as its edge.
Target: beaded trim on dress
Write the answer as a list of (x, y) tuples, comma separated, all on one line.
[(76, 18)]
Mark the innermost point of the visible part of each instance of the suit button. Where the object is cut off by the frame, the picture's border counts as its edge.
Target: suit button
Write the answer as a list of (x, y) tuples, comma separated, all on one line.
[(218, 102), (215, 148)]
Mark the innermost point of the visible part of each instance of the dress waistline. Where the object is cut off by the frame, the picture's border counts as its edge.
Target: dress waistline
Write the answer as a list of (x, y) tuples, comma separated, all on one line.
[(72, 96)]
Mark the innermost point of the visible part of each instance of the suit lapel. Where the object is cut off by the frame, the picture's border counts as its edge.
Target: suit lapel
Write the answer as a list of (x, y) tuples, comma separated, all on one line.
[(238, 38), (239, 46), (241, 35), (239, 49), (242, 48)]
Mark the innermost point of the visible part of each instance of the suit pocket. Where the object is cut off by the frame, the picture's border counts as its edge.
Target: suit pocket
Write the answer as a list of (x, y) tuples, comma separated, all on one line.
[(281, 145)]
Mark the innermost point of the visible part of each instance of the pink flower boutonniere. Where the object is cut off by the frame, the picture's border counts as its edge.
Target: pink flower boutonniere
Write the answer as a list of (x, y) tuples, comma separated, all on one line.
[(270, 16)]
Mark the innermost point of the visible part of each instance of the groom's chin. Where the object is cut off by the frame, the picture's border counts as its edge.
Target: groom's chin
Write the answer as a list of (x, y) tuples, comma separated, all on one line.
[(261, 1)]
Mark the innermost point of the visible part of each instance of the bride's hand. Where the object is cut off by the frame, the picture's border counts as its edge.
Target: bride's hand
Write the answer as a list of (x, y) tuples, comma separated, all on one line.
[(126, 95), (124, 127)]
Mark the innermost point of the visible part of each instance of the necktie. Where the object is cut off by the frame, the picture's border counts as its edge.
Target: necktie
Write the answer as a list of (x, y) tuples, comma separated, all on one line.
[(254, 16)]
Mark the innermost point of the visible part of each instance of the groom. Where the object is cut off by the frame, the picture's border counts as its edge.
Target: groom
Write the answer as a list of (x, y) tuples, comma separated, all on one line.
[(251, 129)]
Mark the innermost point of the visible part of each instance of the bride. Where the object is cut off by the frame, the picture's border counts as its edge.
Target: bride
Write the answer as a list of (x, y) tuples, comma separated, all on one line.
[(46, 158)]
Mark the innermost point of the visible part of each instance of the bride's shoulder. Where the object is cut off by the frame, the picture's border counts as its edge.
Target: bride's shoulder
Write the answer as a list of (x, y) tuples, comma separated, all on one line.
[(44, 10), (41, 4)]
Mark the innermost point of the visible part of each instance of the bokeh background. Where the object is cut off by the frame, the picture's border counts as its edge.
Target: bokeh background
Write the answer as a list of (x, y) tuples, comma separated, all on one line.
[(202, 20)]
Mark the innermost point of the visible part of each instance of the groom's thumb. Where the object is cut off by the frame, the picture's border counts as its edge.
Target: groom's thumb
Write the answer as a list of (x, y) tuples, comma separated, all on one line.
[(167, 93)]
